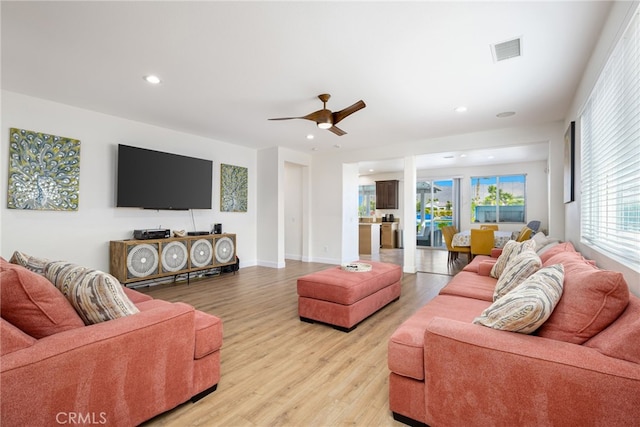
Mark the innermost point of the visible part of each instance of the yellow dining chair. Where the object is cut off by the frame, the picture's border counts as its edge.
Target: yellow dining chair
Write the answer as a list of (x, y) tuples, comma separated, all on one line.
[(489, 227), (525, 234), (447, 233), (482, 241)]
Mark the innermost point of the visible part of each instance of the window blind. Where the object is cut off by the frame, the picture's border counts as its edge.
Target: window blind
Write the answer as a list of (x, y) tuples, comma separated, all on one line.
[(610, 166)]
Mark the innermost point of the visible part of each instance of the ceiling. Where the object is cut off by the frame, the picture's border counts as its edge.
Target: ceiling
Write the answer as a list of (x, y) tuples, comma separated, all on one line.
[(227, 67)]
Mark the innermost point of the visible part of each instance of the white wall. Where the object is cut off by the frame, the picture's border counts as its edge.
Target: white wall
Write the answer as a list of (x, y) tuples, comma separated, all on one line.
[(83, 236), (272, 165), (350, 230), (293, 211), (618, 20), (270, 249)]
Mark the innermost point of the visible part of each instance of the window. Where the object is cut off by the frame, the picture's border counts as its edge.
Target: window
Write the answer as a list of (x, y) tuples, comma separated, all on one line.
[(498, 198), (366, 200), (610, 167)]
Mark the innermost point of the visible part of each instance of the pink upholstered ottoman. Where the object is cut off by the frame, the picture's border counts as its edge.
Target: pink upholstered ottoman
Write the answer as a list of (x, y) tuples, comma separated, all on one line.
[(344, 298)]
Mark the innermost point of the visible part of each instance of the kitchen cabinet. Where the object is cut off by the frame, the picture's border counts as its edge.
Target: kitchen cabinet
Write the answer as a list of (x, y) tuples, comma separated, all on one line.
[(369, 238), (389, 235), (387, 194)]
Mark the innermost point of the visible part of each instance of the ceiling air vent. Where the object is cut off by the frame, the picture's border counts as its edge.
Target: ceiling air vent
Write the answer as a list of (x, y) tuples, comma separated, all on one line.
[(506, 50)]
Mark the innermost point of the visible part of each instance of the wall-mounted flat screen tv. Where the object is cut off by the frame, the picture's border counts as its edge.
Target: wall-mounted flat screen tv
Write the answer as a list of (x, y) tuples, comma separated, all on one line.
[(152, 179)]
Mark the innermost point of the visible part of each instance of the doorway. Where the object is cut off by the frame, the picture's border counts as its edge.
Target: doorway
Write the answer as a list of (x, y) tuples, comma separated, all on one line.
[(436, 207)]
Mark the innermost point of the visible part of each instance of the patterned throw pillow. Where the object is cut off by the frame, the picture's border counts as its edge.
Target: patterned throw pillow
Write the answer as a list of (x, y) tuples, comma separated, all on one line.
[(529, 305), (95, 295), (511, 250), (29, 262), (518, 269)]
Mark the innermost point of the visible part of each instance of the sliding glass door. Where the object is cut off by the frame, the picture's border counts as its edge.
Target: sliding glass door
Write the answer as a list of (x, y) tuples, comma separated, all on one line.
[(436, 207)]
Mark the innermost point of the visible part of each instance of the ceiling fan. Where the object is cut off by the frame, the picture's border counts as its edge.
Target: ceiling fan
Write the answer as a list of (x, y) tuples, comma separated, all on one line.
[(325, 119)]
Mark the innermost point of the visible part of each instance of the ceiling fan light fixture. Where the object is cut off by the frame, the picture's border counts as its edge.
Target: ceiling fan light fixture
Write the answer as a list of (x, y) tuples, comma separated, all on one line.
[(152, 79), (324, 125)]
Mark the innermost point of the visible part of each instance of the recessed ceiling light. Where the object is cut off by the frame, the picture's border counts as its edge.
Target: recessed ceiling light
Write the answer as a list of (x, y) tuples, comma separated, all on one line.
[(309, 136), (490, 157), (370, 170), (463, 155), (461, 109), (505, 114), (153, 79)]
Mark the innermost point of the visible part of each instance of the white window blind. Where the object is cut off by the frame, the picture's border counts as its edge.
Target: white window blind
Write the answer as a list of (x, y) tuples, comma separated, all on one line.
[(610, 128)]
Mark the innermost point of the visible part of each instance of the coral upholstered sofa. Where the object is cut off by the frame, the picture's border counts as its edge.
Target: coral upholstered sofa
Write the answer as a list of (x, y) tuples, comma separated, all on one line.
[(55, 369), (581, 366)]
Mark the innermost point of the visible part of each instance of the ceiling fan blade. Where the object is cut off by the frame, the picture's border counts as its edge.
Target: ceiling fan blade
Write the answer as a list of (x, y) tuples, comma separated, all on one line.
[(318, 116), (337, 130), (339, 115), (287, 118)]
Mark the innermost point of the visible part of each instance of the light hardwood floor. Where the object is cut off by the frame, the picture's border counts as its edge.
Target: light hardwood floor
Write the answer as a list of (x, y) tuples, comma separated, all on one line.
[(279, 371)]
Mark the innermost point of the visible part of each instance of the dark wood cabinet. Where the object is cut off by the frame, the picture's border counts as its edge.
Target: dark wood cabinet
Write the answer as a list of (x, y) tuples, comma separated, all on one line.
[(387, 194)]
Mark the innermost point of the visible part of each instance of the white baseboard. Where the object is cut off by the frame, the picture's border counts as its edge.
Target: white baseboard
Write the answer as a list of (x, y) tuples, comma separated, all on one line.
[(271, 264)]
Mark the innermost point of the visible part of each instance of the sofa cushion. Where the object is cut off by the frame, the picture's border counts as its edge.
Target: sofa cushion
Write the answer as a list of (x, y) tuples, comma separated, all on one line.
[(29, 262), (485, 267), (546, 248), (406, 345), (556, 249), (592, 300), (470, 285), (510, 250), (13, 339), (208, 334), (31, 303), (96, 296), (528, 306), (517, 270), (475, 263), (208, 328), (622, 338)]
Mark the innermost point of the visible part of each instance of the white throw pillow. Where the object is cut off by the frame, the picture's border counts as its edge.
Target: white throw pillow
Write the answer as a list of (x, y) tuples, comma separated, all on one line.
[(510, 250), (517, 271), (529, 305)]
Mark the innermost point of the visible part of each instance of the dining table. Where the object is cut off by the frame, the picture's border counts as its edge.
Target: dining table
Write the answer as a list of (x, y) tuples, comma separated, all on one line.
[(463, 238)]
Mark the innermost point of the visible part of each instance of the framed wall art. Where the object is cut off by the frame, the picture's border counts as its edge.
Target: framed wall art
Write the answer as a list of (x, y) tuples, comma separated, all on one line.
[(44, 171), (569, 163), (233, 188)]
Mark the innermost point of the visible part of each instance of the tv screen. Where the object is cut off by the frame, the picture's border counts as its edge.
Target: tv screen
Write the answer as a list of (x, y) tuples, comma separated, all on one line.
[(155, 180)]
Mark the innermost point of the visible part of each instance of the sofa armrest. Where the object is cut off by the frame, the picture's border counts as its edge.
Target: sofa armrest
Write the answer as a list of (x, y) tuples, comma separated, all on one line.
[(124, 371), (476, 375)]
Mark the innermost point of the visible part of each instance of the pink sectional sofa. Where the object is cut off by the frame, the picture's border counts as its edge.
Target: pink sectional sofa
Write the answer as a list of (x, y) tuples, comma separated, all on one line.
[(118, 372), (581, 367)]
